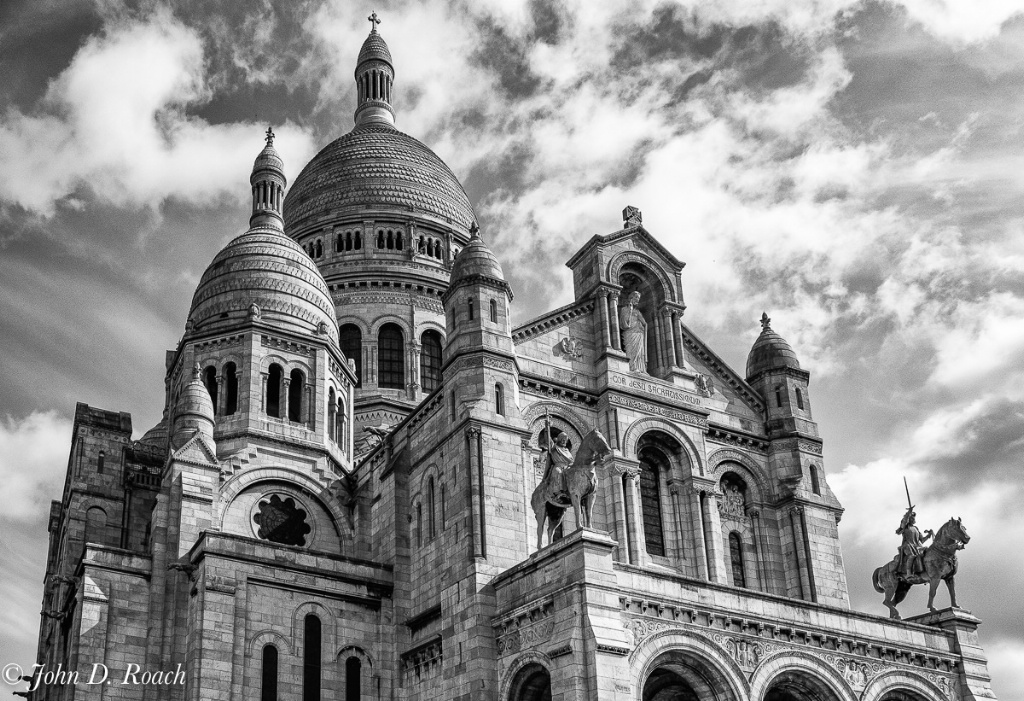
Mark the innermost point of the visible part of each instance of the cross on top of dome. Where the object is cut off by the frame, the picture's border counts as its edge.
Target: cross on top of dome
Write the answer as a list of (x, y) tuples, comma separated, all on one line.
[(765, 321), (270, 136), (374, 21)]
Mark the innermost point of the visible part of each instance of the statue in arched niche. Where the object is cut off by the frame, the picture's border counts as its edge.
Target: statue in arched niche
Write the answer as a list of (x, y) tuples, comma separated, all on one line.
[(633, 328)]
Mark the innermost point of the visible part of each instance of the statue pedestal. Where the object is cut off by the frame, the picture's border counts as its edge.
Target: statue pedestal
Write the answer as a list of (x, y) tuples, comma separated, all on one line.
[(975, 682)]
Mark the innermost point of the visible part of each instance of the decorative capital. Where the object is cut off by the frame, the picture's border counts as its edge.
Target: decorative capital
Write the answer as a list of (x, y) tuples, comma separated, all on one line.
[(473, 431)]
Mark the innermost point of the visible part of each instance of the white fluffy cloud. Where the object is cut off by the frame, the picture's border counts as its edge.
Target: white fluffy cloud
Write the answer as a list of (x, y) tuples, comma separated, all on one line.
[(33, 460), (114, 123)]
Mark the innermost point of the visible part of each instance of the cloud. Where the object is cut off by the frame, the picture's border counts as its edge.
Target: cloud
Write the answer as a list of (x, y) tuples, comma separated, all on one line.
[(33, 462), (115, 125)]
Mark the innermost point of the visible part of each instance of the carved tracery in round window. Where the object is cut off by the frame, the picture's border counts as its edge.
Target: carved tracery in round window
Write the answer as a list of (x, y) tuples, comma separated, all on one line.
[(279, 519)]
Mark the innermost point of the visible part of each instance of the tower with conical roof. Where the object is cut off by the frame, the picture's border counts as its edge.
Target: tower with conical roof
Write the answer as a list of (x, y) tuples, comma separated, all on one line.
[(383, 218), (809, 533)]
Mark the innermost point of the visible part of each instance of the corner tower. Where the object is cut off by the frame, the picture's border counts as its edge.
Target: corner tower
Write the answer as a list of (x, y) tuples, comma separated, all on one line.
[(383, 218)]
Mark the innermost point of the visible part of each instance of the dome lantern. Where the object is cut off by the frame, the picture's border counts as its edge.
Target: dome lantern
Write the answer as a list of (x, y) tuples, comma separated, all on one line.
[(375, 75), (268, 183)]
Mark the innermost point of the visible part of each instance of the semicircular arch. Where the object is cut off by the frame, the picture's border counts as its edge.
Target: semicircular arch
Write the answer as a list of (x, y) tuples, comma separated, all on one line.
[(750, 471), (783, 662), (905, 681), (695, 648), (636, 430), (617, 262), (518, 664)]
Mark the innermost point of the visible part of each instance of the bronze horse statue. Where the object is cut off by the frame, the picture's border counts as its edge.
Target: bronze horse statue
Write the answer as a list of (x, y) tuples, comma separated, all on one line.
[(937, 562), (549, 504)]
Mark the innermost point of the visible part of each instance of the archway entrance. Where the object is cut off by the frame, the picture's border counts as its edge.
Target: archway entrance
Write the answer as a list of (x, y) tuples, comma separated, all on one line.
[(532, 683), (795, 686), (666, 685)]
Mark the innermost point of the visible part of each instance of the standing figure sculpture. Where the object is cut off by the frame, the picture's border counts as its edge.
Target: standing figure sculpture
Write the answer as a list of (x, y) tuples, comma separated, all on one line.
[(633, 328), (567, 480), (916, 563)]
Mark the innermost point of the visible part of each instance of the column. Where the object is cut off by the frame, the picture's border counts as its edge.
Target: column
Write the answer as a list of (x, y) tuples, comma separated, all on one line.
[(634, 518), (263, 399), (238, 393), (309, 414), (618, 511), (677, 507), (799, 555), (677, 336), (286, 382), (713, 538), (700, 555), (670, 339), (221, 396), (602, 311), (614, 311), (474, 489), (755, 527)]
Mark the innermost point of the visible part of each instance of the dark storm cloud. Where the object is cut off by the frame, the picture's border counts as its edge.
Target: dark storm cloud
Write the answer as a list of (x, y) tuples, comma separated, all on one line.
[(506, 56)]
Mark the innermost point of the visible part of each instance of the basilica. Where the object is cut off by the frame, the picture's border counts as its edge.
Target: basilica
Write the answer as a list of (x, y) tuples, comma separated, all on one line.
[(369, 484)]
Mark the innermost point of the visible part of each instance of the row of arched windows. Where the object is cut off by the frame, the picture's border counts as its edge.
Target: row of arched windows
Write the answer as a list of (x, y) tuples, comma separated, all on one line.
[(390, 239), (312, 667), (386, 239), (391, 356), (492, 309), (375, 85), (229, 380), (285, 395), (348, 241), (315, 249), (337, 426)]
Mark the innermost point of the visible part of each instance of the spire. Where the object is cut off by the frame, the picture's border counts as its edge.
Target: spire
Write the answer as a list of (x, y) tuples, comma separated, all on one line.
[(268, 184), (375, 74)]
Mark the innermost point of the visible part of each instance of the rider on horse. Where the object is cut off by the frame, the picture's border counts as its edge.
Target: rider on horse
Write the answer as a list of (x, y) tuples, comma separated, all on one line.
[(913, 543), (559, 458)]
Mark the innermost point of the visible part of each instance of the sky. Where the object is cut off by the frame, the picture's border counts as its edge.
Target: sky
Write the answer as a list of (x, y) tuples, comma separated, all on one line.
[(854, 168)]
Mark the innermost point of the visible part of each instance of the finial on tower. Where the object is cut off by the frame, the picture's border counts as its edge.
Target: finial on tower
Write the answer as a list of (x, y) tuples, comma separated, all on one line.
[(375, 76), (268, 183), (474, 231), (374, 21), (765, 321), (270, 136)]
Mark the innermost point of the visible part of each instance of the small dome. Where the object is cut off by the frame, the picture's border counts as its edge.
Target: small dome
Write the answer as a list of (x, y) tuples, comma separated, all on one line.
[(476, 259), (374, 49), (263, 275), (770, 352), (194, 411), (269, 159), (158, 435)]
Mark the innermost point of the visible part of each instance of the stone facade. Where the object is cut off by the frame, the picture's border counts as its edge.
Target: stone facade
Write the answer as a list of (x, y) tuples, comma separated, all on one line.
[(293, 530)]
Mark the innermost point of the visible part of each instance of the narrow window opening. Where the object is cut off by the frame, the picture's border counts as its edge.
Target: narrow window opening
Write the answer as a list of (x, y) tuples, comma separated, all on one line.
[(778, 398), (332, 418), (351, 341), (815, 480), (650, 501), (494, 311), (353, 671), (311, 664), (274, 390), (799, 399), (469, 303), (99, 462), (268, 685), (499, 399), (430, 361), (210, 380), (419, 525), (296, 388), (431, 508), (739, 578), (231, 382), (391, 354)]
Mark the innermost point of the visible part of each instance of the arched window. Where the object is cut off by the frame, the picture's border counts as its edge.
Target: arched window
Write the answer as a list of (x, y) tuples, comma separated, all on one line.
[(494, 311), (353, 670), (499, 399), (358, 243), (99, 462), (210, 380), (651, 463), (778, 397), (391, 353), (419, 525), (380, 239), (815, 480), (739, 579), (231, 389), (469, 305), (430, 360), (431, 514), (332, 418), (274, 390), (444, 508), (351, 341), (799, 399), (268, 676), (452, 406), (296, 388), (399, 240), (532, 683), (319, 248), (311, 662)]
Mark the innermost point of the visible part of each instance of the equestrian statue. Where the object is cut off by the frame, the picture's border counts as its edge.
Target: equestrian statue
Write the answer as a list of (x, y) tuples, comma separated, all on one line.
[(568, 481), (917, 563)]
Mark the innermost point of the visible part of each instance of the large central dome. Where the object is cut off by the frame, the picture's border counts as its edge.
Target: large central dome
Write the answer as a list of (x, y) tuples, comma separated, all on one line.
[(375, 166)]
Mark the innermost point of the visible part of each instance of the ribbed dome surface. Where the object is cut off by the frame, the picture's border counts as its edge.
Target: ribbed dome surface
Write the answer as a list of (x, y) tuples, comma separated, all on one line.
[(265, 268), (770, 352), (194, 399), (268, 158), (374, 48), (375, 166), (476, 259), (158, 435)]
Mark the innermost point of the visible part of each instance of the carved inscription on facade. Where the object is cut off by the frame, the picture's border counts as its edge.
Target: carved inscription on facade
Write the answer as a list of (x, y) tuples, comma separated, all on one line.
[(645, 407), (525, 629), (654, 389)]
